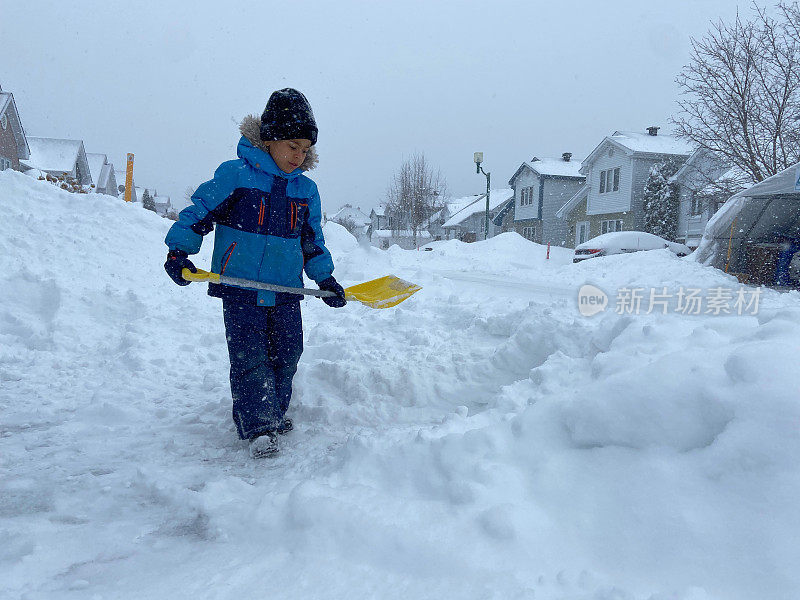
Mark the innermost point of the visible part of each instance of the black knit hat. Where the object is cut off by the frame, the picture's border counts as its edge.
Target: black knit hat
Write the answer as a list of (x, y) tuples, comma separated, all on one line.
[(288, 116)]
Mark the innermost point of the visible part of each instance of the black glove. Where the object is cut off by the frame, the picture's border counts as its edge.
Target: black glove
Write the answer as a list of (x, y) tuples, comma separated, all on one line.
[(177, 260), (331, 285)]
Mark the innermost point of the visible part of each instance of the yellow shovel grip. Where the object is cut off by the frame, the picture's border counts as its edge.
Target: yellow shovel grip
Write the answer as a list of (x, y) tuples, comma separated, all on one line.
[(200, 275)]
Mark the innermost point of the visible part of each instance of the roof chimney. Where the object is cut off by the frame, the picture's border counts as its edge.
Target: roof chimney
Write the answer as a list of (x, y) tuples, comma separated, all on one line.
[(566, 156), (653, 130)]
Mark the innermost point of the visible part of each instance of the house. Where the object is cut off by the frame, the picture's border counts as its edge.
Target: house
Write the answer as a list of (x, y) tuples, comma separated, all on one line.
[(541, 187), (704, 183), (13, 143), (60, 158), (348, 213), (451, 208), (616, 173), (378, 219), (468, 224), (163, 204), (756, 233), (352, 219), (386, 229), (103, 175)]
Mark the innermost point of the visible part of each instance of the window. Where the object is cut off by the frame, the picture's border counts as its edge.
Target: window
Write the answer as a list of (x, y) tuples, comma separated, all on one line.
[(581, 232), (610, 225), (696, 206), (4, 121), (526, 196), (609, 180), (4, 164), (529, 233)]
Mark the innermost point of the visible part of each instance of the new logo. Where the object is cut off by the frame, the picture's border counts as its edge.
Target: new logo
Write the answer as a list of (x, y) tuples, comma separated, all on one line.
[(591, 300)]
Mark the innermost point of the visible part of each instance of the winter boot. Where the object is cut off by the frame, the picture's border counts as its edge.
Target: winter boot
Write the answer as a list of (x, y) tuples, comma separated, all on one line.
[(264, 445), (285, 427)]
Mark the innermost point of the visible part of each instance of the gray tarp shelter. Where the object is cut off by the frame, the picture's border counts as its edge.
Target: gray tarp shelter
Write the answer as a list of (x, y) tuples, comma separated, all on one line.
[(757, 224)]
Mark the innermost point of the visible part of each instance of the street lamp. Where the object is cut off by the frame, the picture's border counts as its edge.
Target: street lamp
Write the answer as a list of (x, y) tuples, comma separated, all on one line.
[(478, 157)]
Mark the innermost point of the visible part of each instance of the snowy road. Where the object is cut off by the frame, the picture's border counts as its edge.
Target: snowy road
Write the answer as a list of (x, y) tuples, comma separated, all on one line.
[(481, 440)]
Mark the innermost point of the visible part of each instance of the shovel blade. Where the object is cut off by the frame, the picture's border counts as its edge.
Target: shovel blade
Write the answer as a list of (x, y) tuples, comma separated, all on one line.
[(383, 292)]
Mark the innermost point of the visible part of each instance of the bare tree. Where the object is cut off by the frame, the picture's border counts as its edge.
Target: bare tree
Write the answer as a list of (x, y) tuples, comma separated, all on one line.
[(415, 193), (741, 91)]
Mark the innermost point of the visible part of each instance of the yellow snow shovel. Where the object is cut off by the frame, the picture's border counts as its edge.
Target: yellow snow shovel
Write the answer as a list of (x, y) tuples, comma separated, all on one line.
[(383, 292)]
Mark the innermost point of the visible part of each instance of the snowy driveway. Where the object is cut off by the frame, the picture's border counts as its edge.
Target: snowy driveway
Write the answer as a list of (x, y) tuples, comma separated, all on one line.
[(481, 440)]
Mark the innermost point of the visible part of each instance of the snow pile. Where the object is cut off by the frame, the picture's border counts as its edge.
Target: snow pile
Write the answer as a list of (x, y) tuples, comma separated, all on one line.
[(480, 440)]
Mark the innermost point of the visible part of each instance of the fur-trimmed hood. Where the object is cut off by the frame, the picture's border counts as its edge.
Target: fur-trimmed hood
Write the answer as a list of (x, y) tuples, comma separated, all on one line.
[(250, 128)]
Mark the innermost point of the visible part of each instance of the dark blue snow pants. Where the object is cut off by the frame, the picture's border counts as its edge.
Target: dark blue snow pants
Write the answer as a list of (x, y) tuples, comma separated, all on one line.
[(264, 345)]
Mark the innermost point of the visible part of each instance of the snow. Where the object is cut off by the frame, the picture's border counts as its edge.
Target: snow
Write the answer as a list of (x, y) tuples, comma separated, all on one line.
[(556, 166), (733, 178), (96, 164), (480, 440), (50, 154), (352, 214), (478, 204), (783, 182), (625, 241), (390, 233), (654, 144)]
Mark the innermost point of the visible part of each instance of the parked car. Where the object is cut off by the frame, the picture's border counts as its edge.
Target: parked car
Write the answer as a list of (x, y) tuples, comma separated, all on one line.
[(619, 242)]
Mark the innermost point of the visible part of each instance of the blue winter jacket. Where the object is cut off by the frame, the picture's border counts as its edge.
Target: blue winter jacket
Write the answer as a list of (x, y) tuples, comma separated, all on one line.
[(268, 226)]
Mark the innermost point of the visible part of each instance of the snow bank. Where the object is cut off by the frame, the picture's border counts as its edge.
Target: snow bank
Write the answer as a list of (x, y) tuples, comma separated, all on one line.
[(480, 440)]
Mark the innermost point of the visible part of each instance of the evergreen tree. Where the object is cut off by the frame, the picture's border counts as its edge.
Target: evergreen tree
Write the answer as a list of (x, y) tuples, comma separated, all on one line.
[(661, 201), (148, 202)]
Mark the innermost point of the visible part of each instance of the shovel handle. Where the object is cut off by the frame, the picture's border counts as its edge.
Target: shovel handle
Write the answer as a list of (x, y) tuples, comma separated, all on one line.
[(200, 275)]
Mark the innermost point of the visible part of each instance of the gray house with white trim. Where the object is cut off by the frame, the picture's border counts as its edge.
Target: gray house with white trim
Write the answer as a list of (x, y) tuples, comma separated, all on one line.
[(616, 174), (541, 187)]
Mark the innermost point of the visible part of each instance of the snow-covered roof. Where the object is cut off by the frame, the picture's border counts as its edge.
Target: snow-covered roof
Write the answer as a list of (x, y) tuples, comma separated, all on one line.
[(380, 210), (478, 204), (457, 205), (555, 166), (550, 167), (51, 154), (644, 143), (351, 214), (733, 178), (105, 174), (652, 144), (96, 162)]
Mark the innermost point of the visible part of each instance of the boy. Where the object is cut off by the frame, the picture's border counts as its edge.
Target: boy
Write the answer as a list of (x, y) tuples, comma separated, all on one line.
[(268, 229)]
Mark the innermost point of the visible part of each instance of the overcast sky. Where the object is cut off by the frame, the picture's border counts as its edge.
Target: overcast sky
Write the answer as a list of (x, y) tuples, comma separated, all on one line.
[(385, 80)]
